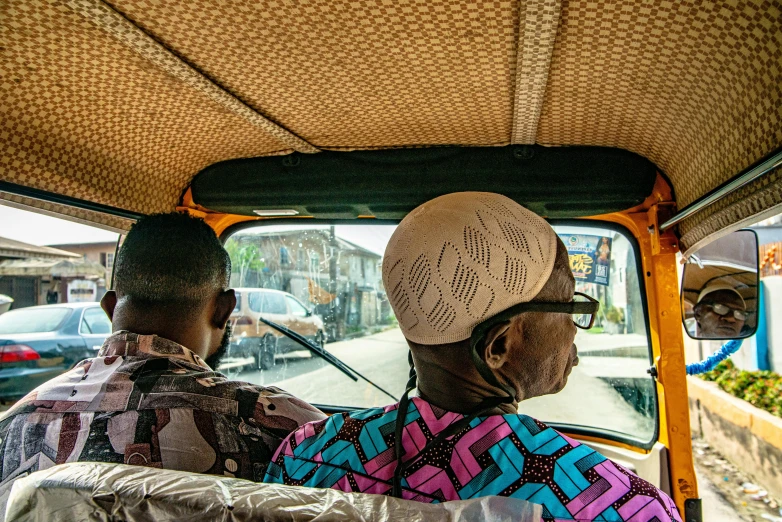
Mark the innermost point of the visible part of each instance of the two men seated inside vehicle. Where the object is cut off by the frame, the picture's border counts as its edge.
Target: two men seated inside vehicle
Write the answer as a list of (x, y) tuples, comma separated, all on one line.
[(151, 397), (484, 295)]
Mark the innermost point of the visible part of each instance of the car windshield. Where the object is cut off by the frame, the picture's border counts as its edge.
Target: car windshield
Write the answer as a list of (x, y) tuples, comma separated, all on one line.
[(32, 320), (336, 273)]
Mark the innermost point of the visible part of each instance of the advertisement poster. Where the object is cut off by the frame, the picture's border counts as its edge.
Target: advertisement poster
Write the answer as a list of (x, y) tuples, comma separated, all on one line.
[(590, 257)]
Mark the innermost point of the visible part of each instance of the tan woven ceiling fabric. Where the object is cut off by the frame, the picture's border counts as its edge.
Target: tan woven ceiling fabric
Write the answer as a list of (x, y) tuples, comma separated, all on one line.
[(354, 74), (87, 217), (694, 86), (537, 34), (82, 115), (736, 210), (129, 34), (122, 102)]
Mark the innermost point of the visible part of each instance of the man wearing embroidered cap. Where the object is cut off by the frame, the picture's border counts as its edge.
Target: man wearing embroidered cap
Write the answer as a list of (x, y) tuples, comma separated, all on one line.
[(720, 312), (485, 297)]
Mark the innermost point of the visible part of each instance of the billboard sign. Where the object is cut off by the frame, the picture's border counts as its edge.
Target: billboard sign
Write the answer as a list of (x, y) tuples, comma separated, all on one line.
[(590, 257)]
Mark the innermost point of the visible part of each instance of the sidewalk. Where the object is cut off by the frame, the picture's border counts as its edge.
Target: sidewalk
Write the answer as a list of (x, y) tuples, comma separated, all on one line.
[(716, 508), (722, 487)]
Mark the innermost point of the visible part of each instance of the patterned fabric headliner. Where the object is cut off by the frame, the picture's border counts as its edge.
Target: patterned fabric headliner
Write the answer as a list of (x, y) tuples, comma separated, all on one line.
[(123, 102)]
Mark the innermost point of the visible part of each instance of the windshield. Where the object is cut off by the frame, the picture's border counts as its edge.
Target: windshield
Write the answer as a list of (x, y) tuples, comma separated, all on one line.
[(32, 320), (331, 277)]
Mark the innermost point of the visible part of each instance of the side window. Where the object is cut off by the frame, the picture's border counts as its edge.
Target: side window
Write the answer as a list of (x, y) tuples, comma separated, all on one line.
[(238, 307), (95, 322), (296, 308), (73, 242), (255, 301), (274, 304)]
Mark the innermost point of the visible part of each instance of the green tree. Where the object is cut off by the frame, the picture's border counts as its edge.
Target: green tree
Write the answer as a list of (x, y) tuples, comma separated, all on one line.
[(245, 258)]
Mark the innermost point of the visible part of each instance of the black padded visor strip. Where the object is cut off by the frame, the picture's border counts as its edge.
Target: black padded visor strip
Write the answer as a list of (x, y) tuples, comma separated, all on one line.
[(551, 181)]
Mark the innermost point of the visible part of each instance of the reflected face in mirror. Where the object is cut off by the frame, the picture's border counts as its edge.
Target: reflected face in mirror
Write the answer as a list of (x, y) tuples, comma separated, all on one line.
[(720, 314), (720, 288)]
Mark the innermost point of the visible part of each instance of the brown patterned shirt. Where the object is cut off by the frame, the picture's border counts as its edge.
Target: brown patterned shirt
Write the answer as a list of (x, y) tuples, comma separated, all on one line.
[(149, 401)]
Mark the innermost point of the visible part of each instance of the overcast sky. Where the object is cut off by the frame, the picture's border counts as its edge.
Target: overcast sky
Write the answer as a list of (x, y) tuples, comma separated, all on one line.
[(372, 237), (38, 229)]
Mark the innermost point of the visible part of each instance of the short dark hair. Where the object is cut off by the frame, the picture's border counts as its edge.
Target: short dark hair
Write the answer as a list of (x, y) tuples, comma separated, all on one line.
[(171, 258)]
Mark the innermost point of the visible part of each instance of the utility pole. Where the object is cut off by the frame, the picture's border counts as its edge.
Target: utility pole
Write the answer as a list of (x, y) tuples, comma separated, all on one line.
[(333, 314)]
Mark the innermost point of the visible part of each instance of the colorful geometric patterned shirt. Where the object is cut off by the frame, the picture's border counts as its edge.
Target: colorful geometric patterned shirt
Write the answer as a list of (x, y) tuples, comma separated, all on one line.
[(148, 401), (507, 455)]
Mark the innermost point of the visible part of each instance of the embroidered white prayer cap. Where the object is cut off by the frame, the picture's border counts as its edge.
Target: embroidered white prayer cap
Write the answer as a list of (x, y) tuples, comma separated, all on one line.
[(462, 258)]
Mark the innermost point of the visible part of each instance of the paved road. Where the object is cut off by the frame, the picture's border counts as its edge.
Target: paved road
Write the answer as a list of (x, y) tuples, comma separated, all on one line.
[(381, 358), (587, 400)]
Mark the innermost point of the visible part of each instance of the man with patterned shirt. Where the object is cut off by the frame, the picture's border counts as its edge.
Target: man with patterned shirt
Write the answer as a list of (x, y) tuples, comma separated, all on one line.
[(150, 397), (484, 295)]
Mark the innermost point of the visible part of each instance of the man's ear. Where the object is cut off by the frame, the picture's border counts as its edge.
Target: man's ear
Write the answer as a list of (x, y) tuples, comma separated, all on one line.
[(495, 348), (226, 302), (108, 302)]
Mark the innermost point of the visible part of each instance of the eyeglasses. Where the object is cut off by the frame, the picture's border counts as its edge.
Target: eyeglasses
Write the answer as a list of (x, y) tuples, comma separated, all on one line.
[(583, 309), (584, 317), (721, 309)]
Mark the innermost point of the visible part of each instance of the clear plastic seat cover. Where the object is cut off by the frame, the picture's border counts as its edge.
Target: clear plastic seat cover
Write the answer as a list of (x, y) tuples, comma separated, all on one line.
[(109, 492)]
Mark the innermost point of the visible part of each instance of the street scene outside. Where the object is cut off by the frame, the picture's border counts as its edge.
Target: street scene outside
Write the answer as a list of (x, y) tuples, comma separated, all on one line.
[(336, 272), (329, 278), (587, 400)]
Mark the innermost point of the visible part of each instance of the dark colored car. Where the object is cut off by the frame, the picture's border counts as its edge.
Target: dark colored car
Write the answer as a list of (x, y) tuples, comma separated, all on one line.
[(41, 342)]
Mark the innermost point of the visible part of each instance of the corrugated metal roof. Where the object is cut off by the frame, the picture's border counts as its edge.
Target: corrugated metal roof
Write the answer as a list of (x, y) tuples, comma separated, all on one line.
[(18, 249), (51, 267)]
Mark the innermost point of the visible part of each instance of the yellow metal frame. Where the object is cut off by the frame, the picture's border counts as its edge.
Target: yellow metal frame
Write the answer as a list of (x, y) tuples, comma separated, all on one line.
[(658, 260), (660, 267)]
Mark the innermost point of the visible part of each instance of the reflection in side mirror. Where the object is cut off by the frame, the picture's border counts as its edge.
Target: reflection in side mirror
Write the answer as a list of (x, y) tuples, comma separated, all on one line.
[(720, 288)]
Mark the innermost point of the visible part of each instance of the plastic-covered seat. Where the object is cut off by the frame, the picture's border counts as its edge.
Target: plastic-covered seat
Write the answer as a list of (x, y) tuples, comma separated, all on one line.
[(112, 492)]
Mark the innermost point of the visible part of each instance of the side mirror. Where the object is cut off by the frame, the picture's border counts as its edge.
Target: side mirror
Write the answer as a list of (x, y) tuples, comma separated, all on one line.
[(720, 288)]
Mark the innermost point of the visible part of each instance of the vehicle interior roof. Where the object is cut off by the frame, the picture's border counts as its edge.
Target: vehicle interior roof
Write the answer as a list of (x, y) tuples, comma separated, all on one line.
[(123, 102)]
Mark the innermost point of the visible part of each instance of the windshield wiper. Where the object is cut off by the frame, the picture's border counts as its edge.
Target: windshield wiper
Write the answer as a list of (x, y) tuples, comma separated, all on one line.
[(322, 353)]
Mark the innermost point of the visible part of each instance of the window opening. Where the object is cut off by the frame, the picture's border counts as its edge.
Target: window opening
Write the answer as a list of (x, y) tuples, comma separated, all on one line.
[(330, 287)]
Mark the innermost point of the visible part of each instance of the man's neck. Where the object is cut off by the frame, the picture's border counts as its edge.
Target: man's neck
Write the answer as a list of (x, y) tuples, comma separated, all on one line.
[(190, 338), (459, 393)]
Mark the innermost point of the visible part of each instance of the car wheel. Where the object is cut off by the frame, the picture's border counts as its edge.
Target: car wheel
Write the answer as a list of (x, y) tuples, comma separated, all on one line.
[(320, 338), (265, 354)]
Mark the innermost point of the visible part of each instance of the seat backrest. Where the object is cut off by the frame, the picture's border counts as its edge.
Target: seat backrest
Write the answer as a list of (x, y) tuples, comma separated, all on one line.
[(100, 491)]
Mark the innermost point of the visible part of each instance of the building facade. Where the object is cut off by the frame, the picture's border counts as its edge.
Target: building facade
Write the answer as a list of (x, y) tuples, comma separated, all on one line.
[(339, 280), (102, 253), (28, 290)]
